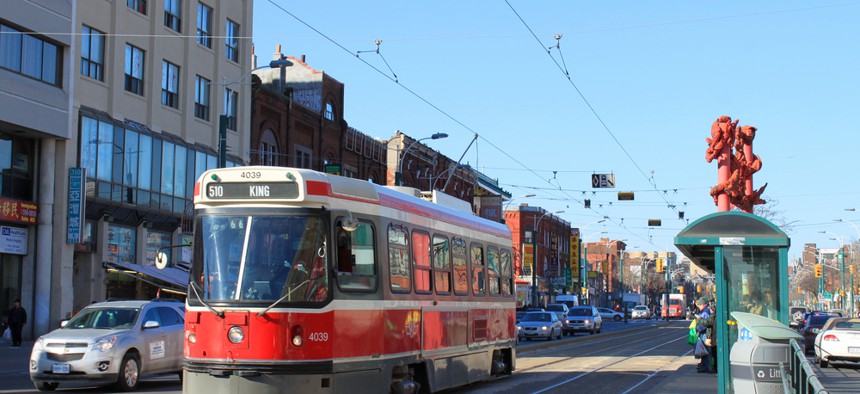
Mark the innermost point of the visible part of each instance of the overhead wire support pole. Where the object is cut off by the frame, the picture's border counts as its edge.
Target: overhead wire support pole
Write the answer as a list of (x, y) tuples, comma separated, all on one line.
[(378, 43), (451, 176)]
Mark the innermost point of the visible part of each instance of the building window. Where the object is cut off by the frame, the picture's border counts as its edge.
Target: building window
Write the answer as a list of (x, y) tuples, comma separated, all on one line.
[(29, 55), (329, 111), (173, 14), (303, 157), (92, 53), (231, 99), (232, 40), (134, 59), (16, 168), (268, 149), (138, 5), (201, 98), (204, 25), (169, 84)]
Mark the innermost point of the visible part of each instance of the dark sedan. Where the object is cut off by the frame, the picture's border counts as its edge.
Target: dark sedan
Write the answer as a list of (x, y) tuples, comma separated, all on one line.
[(811, 328)]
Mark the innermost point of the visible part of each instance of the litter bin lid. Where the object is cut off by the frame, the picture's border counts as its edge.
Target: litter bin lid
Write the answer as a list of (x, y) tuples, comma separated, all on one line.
[(764, 327)]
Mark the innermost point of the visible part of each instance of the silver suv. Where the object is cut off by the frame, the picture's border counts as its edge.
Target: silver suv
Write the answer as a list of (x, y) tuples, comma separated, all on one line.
[(584, 318), (112, 342), (560, 310)]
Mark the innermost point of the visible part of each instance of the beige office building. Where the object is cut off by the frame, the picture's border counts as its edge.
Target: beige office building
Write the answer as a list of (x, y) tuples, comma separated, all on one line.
[(106, 136)]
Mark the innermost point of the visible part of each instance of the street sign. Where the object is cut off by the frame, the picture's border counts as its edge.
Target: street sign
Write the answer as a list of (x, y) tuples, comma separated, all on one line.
[(602, 181), (828, 295)]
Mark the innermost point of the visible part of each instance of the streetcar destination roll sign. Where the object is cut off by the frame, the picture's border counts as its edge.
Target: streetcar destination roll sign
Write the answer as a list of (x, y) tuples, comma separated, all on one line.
[(252, 190)]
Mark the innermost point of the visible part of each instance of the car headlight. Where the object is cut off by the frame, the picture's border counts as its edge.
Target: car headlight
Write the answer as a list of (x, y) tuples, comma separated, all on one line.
[(104, 344), (39, 345), (544, 328), (519, 328)]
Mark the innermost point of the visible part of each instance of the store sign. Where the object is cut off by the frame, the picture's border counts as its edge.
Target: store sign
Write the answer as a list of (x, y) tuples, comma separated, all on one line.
[(13, 240), (18, 211), (77, 202)]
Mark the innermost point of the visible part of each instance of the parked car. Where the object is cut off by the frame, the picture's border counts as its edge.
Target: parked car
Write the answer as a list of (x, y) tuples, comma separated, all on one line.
[(609, 314), (112, 342), (838, 340), (641, 312), (795, 315), (584, 318), (812, 325), (540, 325)]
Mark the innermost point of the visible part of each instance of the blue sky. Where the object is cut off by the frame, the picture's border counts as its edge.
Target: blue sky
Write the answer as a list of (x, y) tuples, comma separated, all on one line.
[(647, 80)]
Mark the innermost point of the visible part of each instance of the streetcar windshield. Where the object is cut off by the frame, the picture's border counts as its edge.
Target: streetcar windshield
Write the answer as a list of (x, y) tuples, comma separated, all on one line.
[(261, 258)]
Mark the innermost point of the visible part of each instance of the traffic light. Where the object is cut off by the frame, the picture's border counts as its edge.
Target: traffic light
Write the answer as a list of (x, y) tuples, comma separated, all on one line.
[(817, 270), (851, 269), (799, 289), (681, 289), (698, 288), (659, 265)]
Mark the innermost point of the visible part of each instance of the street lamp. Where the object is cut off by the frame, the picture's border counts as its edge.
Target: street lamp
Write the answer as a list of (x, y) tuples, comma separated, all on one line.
[(514, 198), (224, 119), (398, 175), (841, 258), (534, 252)]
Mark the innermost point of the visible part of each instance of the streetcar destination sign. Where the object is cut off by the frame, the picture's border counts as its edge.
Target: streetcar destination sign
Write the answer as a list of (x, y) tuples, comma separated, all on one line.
[(252, 190)]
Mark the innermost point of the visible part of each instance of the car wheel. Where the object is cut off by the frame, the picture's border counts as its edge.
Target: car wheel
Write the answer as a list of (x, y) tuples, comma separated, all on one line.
[(551, 335), (47, 386), (616, 318), (129, 373), (593, 331), (822, 362), (560, 334)]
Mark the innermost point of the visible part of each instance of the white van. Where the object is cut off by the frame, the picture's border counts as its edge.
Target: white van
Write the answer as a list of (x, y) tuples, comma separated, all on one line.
[(570, 300)]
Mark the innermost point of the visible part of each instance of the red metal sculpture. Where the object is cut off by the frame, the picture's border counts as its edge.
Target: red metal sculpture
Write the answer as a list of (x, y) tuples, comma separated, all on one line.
[(734, 171)]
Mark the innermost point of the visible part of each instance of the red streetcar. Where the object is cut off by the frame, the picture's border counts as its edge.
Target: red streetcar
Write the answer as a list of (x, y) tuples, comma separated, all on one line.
[(309, 282)]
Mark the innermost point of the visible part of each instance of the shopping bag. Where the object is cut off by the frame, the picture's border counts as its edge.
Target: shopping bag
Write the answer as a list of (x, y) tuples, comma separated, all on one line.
[(7, 334), (701, 349), (692, 337)]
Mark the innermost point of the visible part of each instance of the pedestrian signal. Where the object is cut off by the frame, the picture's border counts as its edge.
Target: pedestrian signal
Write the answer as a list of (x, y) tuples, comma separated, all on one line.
[(659, 265), (817, 270)]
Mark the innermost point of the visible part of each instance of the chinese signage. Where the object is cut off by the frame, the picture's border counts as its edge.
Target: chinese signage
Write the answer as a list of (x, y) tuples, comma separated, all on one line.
[(13, 240), (18, 211), (77, 202)]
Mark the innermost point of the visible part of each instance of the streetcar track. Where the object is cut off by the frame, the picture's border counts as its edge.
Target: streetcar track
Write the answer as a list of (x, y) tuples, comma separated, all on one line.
[(583, 344), (606, 366), (652, 374)]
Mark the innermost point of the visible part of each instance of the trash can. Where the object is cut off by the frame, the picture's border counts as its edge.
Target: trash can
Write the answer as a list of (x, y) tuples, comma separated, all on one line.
[(762, 344)]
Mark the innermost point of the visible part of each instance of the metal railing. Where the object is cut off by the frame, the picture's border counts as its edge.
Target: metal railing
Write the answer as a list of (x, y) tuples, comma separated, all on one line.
[(800, 379)]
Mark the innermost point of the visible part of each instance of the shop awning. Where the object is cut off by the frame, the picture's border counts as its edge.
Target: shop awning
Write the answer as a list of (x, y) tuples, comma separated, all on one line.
[(168, 277)]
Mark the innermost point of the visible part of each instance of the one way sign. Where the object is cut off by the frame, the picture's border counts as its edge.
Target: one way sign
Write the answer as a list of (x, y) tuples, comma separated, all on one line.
[(602, 180)]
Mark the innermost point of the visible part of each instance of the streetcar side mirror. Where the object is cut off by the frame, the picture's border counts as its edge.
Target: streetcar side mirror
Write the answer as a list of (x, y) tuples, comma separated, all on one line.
[(349, 223)]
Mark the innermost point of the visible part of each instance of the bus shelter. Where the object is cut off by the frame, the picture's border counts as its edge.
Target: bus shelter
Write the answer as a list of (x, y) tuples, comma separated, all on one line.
[(749, 257)]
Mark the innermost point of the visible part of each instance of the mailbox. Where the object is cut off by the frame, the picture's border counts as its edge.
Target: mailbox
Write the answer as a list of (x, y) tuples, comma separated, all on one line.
[(762, 344)]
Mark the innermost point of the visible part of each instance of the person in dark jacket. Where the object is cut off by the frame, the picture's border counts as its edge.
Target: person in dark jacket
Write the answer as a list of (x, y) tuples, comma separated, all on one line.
[(17, 318)]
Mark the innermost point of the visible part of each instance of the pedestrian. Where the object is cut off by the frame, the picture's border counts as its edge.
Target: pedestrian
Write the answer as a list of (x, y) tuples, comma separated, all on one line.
[(17, 318), (701, 322)]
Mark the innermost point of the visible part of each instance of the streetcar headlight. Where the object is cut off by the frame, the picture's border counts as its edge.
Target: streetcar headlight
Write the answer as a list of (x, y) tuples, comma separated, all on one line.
[(192, 337), (297, 339), (236, 334)]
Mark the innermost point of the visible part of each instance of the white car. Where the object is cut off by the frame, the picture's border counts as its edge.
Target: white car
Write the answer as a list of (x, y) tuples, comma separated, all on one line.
[(112, 342), (838, 340), (641, 312), (609, 314)]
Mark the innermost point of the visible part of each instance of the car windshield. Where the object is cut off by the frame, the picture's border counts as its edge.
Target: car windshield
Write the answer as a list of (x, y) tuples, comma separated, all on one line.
[(640, 308), (537, 317), (104, 318), (818, 320), (579, 312), (555, 308), (847, 325), (266, 258)]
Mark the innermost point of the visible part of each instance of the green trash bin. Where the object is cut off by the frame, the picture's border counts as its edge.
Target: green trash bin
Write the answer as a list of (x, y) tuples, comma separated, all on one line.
[(762, 344)]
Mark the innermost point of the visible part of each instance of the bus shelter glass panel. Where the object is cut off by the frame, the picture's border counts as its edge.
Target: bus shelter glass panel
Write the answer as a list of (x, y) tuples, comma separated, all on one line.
[(752, 274)]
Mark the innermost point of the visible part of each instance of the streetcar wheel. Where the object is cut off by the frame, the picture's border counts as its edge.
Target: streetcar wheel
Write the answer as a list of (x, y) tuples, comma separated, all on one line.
[(47, 386), (129, 373)]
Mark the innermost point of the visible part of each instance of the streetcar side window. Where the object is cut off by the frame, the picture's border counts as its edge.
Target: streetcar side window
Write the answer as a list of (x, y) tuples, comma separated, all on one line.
[(356, 258), (493, 276), (421, 262), (478, 274), (461, 274), (398, 260), (441, 264), (505, 268)]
